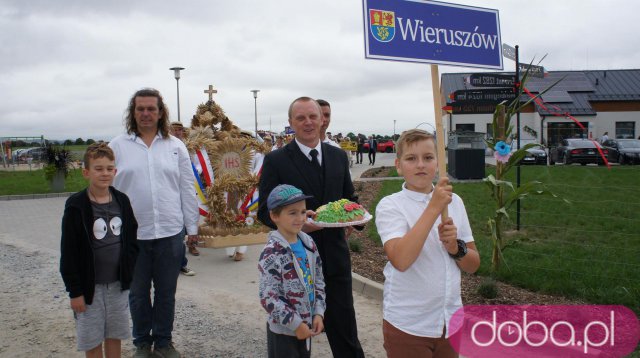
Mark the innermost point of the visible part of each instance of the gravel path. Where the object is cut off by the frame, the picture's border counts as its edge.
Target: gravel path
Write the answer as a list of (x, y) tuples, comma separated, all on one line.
[(217, 311)]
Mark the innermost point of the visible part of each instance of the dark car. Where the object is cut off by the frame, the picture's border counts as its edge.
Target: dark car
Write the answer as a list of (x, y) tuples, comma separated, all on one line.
[(535, 155), (623, 151), (577, 150)]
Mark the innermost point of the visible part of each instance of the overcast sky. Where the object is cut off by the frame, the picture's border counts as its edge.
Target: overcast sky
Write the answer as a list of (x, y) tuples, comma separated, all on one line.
[(70, 66)]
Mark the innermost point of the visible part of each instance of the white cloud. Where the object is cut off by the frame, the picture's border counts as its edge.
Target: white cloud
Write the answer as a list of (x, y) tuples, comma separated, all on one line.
[(71, 65)]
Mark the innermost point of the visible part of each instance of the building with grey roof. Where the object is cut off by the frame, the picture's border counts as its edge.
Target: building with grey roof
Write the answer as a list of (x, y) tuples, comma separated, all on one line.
[(601, 100)]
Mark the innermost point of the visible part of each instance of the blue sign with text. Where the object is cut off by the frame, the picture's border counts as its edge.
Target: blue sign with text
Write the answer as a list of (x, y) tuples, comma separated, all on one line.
[(432, 32)]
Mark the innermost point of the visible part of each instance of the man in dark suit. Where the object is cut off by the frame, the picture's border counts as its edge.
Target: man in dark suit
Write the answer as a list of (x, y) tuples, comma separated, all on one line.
[(320, 170), (373, 148)]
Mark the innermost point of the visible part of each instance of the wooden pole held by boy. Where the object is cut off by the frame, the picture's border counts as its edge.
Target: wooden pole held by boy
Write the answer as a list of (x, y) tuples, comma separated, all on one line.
[(437, 108)]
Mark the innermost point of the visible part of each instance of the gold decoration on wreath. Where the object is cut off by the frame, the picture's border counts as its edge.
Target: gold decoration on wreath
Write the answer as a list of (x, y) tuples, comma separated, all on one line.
[(230, 152)]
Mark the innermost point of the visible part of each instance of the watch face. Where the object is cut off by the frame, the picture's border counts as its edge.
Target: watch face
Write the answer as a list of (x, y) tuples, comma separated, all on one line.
[(462, 247), (462, 250)]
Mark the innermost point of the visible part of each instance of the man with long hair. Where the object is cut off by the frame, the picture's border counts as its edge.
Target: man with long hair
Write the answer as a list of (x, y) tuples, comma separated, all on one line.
[(154, 170)]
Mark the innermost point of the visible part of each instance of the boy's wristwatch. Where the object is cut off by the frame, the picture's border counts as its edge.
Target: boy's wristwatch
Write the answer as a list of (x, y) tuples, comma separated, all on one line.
[(462, 250)]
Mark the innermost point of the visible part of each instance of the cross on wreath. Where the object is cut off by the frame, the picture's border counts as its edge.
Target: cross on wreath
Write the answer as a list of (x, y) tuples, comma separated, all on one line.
[(210, 91)]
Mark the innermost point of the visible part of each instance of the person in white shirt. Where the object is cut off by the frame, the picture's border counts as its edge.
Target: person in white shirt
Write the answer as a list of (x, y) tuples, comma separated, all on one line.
[(426, 254), (154, 170)]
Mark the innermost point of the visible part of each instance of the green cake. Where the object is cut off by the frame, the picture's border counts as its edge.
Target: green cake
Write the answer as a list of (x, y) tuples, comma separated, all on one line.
[(341, 211)]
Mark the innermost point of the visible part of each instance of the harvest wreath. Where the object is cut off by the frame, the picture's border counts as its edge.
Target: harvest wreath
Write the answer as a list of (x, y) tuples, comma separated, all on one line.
[(226, 165)]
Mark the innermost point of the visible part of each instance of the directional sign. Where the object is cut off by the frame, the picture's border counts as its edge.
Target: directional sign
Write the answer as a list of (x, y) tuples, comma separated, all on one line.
[(496, 95), (472, 108), (490, 80), (534, 71), (432, 32), (509, 52)]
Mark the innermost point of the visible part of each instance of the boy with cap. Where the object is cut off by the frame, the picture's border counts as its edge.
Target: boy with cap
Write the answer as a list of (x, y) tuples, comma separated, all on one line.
[(291, 280)]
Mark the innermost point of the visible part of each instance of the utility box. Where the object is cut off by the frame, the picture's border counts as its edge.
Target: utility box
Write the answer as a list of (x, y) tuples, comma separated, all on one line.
[(465, 153)]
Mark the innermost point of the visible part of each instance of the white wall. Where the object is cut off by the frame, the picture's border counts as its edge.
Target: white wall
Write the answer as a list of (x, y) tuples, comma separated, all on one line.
[(602, 122)]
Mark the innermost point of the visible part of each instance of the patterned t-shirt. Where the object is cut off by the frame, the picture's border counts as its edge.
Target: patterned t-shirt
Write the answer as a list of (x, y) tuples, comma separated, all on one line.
[(300, 254), (107, 224)]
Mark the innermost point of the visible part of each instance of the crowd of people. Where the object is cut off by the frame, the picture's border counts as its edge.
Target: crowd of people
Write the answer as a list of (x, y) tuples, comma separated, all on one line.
[(123, 240)]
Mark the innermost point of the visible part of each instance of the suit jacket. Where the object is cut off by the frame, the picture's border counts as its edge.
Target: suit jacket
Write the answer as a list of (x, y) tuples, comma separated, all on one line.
[(289, 165), (373, 145)]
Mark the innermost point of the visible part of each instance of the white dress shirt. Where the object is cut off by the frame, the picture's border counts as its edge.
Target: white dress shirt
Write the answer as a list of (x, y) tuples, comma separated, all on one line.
[(306, 150), (422, 299), (159, 182)]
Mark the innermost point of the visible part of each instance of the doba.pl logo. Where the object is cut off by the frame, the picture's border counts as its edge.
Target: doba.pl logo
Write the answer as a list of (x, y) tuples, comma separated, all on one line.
[(544, 331), (382, 24)]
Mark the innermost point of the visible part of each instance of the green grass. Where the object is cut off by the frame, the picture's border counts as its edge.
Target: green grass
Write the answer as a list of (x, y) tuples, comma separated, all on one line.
[(586, 250), (33, 182)]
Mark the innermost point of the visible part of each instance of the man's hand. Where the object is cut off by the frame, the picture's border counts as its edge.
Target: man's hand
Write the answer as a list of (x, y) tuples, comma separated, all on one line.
[(347, 232), (303, 331), (309, 227), (192, 240), (77, 304)]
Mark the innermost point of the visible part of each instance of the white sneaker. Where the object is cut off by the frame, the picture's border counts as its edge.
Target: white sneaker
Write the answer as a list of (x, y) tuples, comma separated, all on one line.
[(187, 271)]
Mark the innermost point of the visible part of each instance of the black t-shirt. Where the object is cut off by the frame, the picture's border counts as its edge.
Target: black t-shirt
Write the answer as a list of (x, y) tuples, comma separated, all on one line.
[(106, 242)]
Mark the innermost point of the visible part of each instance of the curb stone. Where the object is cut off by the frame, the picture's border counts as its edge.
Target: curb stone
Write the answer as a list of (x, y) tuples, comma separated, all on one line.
[(34, 196), (367, 287)]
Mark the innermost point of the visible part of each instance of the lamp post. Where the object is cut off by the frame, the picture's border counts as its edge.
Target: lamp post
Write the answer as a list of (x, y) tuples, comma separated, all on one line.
[(255, 101), (394, 129), (176, 74)]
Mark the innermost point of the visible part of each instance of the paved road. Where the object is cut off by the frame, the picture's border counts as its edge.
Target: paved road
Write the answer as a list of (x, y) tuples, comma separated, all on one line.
[(219, 283)]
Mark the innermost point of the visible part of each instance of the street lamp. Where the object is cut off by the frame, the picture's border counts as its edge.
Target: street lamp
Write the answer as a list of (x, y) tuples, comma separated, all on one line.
[(255, 100), (394, 129), (176, 74)]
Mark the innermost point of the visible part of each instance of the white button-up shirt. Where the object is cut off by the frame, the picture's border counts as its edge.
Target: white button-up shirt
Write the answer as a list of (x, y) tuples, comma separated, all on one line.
[(421, 300), (159, 182), (306, 150)]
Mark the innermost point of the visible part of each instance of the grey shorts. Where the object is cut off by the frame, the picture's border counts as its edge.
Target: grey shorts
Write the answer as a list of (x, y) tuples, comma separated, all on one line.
[(106, 317)]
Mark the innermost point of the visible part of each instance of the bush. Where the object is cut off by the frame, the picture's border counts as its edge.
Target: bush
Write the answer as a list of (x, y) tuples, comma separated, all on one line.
[(488, 288), (355, 245), (57, 159)]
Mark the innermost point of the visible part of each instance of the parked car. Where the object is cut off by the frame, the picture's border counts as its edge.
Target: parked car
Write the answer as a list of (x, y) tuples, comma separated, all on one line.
[(623, 151), (535, 155), (16, 153), (383, 146), (35, 154), (576, 150)]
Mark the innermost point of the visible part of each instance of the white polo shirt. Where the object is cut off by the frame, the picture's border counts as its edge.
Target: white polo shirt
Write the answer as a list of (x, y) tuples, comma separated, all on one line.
[(421, 300), (159, 182)]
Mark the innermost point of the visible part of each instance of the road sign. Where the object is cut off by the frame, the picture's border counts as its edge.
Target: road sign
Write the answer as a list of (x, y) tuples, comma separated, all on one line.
[(472, 108), (432, 32), (349, 145), (534, 71), (509, 52), (491, 80), (496, 95)]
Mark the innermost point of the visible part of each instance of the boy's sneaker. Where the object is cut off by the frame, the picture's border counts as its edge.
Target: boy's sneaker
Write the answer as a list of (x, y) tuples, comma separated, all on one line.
[(187, 271), (166, 352), (143, 351)]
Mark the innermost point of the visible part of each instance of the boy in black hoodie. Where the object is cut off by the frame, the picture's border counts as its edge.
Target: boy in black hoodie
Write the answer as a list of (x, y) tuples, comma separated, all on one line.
[(98, 254)]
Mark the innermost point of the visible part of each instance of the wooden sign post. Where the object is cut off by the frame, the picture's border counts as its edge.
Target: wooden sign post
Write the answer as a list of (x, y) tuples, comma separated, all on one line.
[(437, 109)]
